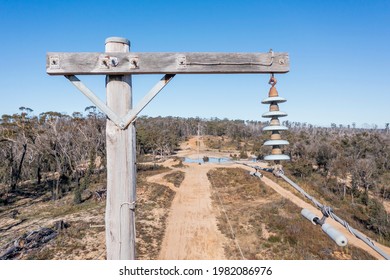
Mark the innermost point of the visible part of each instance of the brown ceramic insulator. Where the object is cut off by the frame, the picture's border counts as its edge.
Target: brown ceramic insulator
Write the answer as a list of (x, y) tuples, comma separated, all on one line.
[(274, 107), (275, 135), (274, 124), (273, 92), (276, 150), (274, 121)]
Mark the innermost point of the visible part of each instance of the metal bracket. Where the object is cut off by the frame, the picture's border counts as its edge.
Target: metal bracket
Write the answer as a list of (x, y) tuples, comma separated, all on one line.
[(131, 205), (107, 62), (134, 62), (54, 62), (130, 117), (181, 61)]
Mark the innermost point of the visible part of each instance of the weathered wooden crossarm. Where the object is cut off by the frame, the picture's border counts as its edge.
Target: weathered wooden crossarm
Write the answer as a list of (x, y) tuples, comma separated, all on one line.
[(165, 63)]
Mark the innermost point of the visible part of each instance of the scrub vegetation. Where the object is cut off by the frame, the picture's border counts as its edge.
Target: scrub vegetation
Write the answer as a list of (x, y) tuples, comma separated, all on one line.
[(52, 167)]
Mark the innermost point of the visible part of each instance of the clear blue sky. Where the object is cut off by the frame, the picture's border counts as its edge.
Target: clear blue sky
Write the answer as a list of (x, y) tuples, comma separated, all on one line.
[(339, 53)]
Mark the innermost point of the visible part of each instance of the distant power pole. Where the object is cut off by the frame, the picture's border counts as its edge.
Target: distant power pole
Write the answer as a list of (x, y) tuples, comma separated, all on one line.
[(198, 144)]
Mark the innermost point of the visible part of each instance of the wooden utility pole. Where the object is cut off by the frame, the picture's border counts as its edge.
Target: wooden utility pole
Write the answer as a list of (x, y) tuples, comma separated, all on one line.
[(118, 63), (121, 171)]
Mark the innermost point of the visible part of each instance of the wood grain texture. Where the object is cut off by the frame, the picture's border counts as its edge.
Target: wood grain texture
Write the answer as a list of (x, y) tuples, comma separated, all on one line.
[(165, 63), (121, 172)]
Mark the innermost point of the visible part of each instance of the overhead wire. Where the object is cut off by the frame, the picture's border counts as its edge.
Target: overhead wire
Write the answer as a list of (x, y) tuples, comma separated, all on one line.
[(223, 209), (230, 225), (235, 63), (327, 211)]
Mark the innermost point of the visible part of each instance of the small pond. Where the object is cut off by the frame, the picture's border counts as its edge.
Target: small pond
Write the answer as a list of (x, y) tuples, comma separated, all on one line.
[(204, 160)]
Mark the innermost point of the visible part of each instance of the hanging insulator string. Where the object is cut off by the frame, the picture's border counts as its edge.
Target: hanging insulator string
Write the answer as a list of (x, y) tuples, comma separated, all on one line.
[(274, 126)]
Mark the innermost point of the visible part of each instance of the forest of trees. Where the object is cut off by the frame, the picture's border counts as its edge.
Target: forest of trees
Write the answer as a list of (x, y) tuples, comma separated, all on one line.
[(58, 151)]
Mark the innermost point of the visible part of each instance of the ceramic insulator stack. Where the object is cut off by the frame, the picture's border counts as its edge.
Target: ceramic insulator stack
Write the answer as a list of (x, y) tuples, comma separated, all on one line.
[(274, 125)]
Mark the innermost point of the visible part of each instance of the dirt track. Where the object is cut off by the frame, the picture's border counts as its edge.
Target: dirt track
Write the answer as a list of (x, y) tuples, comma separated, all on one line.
[(192, 231)]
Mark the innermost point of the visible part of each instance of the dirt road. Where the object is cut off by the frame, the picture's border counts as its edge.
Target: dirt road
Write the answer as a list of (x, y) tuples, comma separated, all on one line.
[(192, 231)]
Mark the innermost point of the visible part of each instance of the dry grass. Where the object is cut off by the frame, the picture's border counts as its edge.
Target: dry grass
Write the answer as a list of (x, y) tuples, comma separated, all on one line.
[(178, 163), (176, 178), (154, 201), (268, 226), (80, 240), (220, 143)]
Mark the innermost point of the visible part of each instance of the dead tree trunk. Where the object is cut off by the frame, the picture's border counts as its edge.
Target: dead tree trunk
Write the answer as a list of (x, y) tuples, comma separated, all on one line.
[(16, 174)]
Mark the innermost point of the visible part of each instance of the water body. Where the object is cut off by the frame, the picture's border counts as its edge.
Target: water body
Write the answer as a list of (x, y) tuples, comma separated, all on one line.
[(211, 160)]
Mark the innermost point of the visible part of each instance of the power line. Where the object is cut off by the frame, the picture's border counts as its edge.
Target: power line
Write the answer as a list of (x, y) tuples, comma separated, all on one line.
[(230, 225), (326, 210), (247, 63)]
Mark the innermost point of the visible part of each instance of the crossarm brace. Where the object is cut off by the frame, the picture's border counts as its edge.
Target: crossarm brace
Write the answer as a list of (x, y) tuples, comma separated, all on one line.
[(95, 100), (131, 116)]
